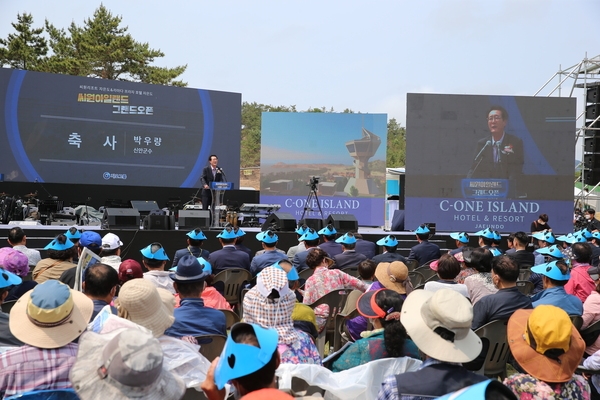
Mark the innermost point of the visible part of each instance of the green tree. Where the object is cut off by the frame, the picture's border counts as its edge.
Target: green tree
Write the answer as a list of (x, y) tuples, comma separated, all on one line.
[(396, 144), (24, 49), (102, 48)]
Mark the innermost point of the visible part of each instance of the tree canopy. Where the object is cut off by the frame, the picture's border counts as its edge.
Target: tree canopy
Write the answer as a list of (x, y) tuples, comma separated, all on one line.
[(100, 48)]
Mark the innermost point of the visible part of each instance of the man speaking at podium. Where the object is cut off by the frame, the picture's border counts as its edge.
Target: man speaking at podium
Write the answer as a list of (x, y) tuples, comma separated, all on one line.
[(501, 155), (210, 173)]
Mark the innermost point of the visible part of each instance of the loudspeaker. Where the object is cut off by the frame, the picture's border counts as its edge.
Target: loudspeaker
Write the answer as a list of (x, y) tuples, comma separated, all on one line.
[(123, 218), (162, 222), (280, 221), (592, 145), (315, 223), (591, 161), (592, 111), (591, 176), (593, 95), (191, 219), (343, 222)]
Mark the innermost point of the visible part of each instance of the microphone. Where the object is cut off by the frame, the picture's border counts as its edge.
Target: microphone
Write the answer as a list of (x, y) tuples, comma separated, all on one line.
[(489, 142), (220, 169)]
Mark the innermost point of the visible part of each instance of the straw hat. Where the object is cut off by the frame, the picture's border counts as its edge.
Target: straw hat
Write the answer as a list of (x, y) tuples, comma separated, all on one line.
[(440, 325), (545, 343), (140, 302), (393, 276), (51, 315), (130, 365)]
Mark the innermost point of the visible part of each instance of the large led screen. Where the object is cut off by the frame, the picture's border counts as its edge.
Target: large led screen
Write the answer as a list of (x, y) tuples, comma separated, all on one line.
[(474, 162), (69, 129), (343, 154)]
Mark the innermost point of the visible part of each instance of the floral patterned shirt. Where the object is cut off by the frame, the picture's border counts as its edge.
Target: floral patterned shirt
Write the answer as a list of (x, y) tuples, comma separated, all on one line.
[(526, 387), (480, 285), (460, 278), (325, 280), (302, 351)]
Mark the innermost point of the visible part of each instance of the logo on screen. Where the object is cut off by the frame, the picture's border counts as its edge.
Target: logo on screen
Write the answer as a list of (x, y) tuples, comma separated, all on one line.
[(108, 175)]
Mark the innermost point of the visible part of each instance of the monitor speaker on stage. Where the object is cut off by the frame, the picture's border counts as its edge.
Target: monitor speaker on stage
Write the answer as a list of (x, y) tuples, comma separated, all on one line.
[(315, 223), (191, 219), (121, 218), (159, 222), (280, 221), (343, 222)]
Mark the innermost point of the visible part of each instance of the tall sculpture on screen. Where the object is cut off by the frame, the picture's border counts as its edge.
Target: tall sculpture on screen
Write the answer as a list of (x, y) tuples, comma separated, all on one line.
[(362, 150)]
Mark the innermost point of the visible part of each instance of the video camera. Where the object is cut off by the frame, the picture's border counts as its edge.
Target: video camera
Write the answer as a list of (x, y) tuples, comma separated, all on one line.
[(314, 181)]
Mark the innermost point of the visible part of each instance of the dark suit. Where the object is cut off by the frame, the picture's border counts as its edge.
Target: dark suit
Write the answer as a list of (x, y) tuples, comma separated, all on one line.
[(523, 258), (299, 260), (369, 249), (424, 251), (349, 258), (228, 257), (388, 257), (331, 248), (246, 250), (206, 179), (511, 160), (195, 251)]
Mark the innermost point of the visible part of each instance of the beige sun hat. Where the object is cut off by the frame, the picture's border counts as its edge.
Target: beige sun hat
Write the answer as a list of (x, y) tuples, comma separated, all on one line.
[(440, 325), (139, 301), (394, 276), (129, 365), (51, 315)]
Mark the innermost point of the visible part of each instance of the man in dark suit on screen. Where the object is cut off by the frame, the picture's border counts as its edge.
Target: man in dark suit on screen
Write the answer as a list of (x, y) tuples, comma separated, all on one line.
[(210, 173), (501, 155)]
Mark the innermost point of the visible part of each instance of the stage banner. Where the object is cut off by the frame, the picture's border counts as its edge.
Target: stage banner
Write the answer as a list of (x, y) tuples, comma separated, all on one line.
[(476, 162), (340, 156), (72, 129)]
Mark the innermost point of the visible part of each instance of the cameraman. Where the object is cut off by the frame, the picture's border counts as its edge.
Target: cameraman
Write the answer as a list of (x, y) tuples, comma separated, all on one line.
[(592, 223)]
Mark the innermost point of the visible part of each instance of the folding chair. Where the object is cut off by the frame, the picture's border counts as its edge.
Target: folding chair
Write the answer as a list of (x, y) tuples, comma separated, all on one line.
[(577, 321), (426, 272), (498, 350), (411, 264), (336, 301), (211, 346), (352, 271), (232, 278), (591, 333), (230, 318), (416, 278), (525, 287), (241, 303), (524, 274)]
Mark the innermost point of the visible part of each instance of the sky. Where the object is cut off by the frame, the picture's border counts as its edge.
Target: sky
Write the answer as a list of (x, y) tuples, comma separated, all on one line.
[(365, 56)]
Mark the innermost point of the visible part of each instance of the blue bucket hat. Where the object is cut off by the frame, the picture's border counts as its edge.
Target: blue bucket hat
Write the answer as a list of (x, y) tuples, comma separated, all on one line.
[(188, 269), (90, 239), (9, 279), (497, 236), (56, 245), (495, 252), (563, 238), (310, 234), (292, 275), (388, 241), (206, 267), (73, 236), (196, 234), (160, 253), (327, 231), (227, 233), (486, 233), (348, 238), (552, 251), (595, 235), (268, 237), (462, 237), (586, 233), (240, 359), (552, 271), (422, 230), (545, 236), (301, 230), (238, 232)]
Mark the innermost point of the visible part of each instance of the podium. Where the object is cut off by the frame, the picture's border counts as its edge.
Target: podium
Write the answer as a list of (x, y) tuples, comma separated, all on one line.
[(217, 190)]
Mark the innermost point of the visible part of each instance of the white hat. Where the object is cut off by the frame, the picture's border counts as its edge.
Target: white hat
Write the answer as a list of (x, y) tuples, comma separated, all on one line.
[(130, 365), (110, 241), (440, 325)]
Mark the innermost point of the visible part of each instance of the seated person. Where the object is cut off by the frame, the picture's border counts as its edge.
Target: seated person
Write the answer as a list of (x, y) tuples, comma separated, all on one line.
[(555, 276), (447, 268), (194, 240), (387, 339), (16, 262), (268, 240), (389, 245), (480, 284), (366, 271), (270, 303), (192, 318), (7, 280), (154, 258), (60, 259), (245, 364)]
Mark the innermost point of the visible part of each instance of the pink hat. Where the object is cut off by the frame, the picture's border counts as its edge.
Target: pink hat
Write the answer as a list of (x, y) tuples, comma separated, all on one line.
[(458, 256), (14, 261)]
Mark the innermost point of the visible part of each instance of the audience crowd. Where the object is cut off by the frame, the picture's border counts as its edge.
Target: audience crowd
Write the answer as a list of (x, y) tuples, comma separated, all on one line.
[(128, 326)]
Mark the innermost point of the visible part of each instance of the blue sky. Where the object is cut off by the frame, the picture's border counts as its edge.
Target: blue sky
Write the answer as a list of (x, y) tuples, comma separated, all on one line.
[(350, 54)]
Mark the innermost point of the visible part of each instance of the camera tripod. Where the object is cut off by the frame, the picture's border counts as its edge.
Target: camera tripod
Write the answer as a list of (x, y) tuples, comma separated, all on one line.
[(312, 194)]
